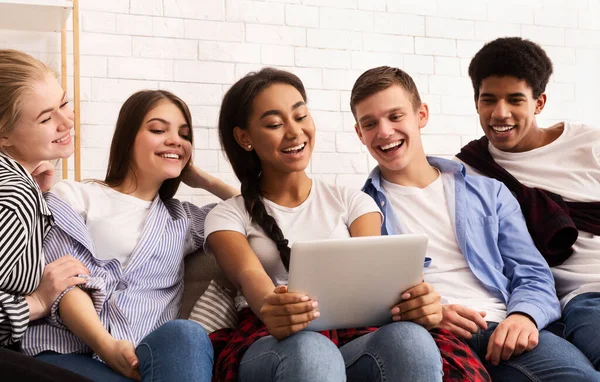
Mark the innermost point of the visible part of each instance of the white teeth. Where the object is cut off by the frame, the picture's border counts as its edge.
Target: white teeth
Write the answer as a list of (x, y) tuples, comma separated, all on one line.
[(392, 145), (61, 140), (503, 128), (299, 147), (171, 156)]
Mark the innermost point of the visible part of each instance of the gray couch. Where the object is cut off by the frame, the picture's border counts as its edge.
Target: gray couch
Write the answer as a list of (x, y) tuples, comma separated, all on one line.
[(200, 269)]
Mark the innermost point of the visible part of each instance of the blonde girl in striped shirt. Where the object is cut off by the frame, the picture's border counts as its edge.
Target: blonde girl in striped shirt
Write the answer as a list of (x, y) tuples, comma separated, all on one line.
[(35, 127)]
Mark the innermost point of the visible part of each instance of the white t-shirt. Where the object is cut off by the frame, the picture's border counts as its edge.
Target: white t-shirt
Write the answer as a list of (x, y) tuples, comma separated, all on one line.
[(115, 220), (570, 167), (425, 211), (327, 213)]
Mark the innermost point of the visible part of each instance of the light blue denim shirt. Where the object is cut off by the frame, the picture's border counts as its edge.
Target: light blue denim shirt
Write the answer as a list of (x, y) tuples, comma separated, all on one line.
[(491, 233)]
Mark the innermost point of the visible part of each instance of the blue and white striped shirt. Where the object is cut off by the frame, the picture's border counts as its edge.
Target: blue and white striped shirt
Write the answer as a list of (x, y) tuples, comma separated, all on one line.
[(132, 301)]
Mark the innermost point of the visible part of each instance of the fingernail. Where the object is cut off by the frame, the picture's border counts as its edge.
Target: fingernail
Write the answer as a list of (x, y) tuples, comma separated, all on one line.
[(304, 298), (395, 310), (316, 314), (315, 304), (396, 318), (406, 296)]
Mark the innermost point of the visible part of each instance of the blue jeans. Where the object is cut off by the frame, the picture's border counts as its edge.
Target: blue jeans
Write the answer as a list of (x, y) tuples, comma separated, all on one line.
[(581, 317), (401, 351), (553, 359), (177, 351)]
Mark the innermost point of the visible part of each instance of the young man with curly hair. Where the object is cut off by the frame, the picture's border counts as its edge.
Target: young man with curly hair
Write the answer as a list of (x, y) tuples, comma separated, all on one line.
[(554, 172), (498, 291)]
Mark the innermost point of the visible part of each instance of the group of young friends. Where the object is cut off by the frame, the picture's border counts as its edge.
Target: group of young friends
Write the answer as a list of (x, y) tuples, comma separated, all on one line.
[(91, 273)]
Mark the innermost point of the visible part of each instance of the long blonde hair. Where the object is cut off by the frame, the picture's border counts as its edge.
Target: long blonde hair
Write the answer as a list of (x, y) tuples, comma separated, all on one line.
[(18, 72)]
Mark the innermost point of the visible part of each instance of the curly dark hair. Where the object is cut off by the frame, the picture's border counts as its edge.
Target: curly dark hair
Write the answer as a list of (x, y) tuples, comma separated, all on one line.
[(512, 56)]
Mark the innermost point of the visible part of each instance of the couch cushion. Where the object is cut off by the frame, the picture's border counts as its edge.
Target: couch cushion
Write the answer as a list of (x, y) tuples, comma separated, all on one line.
[(215, 309), (200, 269)]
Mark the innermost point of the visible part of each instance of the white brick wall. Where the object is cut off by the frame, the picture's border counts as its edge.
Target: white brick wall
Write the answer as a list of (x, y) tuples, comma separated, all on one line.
[(146, 7), (134, 25), (197, 49), (193, 9)]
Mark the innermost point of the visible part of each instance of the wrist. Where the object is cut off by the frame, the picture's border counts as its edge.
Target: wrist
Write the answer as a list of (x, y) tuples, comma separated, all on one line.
[(36, 308), (521, 314), (102, 345)]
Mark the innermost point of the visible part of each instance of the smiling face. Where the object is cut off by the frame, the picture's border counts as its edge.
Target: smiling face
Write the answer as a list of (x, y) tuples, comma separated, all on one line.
[(162, 147), (389, 126), (507, 110), (43, 132), (280, 130)]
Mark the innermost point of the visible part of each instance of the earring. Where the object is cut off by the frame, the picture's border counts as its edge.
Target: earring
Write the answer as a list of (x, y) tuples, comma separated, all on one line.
[(250, 146)]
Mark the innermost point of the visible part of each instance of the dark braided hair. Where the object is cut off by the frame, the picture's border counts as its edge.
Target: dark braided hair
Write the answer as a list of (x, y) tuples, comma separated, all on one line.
[(512, 56), (236, 109)]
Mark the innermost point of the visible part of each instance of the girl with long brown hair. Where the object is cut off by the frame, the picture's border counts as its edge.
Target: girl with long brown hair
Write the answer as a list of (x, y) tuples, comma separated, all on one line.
[(132, 235)]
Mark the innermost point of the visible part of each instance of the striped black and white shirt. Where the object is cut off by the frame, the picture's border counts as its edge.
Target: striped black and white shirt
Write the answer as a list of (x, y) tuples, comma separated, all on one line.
[(132, 301), (25, 219)]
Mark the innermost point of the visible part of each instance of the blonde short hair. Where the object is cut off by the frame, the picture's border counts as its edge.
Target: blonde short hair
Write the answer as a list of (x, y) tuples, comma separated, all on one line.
[(18, 72)]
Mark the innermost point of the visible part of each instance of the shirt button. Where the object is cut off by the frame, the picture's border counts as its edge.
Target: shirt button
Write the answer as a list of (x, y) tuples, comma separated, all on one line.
[(383, 203)]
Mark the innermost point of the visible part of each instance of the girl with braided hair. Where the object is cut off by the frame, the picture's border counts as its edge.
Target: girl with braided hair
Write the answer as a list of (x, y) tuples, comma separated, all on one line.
[(268, 134)]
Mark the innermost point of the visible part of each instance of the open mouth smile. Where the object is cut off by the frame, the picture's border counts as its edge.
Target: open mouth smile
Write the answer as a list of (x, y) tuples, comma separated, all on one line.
[(65, 139), (502, 128), (170, 156), (294, 149), (391, 147)]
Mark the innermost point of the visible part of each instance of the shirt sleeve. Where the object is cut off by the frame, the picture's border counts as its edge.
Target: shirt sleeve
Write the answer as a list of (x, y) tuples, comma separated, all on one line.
[(96, 288), (531, 281), (71, 193), (58, 243), (359, 204), (196, 234), (227, 216), (14, 318), (14, 310)]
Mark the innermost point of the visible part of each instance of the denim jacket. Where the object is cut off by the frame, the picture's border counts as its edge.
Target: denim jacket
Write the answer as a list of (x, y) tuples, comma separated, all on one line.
[(492, 235)]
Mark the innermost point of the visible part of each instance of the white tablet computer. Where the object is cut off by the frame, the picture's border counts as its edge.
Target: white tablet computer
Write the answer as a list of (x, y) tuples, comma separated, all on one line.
[(356, 281)]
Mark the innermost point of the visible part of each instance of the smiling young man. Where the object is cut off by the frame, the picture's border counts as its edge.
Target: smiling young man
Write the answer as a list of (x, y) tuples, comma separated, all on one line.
[(554, 173), (484, 263)]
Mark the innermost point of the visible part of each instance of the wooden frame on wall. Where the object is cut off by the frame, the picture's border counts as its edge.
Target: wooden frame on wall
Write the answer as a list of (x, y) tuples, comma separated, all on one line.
[(48, 16)]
